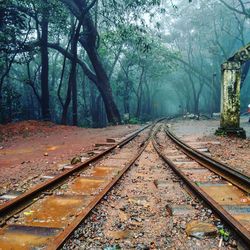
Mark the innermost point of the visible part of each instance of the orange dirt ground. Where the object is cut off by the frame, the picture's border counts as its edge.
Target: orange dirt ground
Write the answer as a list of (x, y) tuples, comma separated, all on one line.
[(32, 148)]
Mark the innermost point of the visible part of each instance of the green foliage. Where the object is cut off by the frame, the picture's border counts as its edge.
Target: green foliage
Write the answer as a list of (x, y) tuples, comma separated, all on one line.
[(134, 120), (12, 24), (11, 103)]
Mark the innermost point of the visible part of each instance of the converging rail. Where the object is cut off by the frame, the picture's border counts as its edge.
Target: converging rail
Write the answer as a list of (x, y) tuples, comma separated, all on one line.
[(224, 189), (227, 172), (47, 215)]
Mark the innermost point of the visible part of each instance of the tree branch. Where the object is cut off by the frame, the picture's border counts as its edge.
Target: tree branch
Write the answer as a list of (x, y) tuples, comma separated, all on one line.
[(85, 68), (243, 12)]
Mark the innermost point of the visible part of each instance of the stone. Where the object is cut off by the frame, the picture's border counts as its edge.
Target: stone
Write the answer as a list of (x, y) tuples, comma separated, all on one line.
[(117, 235), (180, 210), (75, 160), (83, 158), (61, 167), (163, 184), (199, 229)]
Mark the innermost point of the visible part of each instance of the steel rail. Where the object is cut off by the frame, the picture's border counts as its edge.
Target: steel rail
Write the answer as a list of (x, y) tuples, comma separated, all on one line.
[(217, 208), (25, 199), (237, 178), (66, 233)]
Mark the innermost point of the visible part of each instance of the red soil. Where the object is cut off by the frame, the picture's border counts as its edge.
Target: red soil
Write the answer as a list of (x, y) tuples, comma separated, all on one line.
[(32, 148)]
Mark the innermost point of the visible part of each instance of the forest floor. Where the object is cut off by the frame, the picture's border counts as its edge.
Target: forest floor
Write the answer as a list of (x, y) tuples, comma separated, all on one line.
[(232, 151), (31, 148)]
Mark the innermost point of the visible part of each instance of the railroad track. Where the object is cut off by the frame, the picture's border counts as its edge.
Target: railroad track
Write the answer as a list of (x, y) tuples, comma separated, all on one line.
[(46, 215), (223, 189)]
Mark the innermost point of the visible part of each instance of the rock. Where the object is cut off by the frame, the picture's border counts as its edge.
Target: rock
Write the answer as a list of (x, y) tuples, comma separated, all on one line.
[(233, 244), (116, 247), (142, 247), (183, 225), (61, 167), (45, 154), (199, 229), (122, 234), (83, 159), (75, 160)]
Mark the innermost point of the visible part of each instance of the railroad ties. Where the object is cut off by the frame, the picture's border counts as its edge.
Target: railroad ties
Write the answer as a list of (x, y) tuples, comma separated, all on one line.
[(224, 189), (48, 214)]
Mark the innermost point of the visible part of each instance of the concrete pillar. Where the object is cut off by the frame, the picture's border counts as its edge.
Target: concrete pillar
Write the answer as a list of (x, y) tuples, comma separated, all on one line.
[(230, 100)]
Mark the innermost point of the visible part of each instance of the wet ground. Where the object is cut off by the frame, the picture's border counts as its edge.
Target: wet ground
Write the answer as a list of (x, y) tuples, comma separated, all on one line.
[(232, 151), (29, 149), (40, 224), (148, 209)]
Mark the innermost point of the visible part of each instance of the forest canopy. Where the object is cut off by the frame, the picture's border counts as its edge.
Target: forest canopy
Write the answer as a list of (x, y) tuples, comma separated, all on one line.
[(90, 63)]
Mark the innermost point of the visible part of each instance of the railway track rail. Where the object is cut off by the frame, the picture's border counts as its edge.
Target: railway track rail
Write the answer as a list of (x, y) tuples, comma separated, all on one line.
[(224, 189), (46, 215)]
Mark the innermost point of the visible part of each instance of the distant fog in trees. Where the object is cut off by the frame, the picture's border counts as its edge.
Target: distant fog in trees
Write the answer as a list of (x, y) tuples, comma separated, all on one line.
[(98, 62)]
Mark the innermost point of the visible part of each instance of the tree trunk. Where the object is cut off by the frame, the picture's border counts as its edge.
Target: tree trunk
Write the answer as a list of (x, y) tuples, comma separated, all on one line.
[(93, 105), (139, 95), (73, 73), (45, 65), (66, 105), (126, 98), (103, 86), (88, 41), (148, 109)]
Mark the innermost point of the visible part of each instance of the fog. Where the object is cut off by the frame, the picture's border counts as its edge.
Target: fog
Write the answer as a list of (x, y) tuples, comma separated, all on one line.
[(95, 63)]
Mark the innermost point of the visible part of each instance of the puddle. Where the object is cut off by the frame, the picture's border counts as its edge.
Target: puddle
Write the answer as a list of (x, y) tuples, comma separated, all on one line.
[(240, 213), (53, 211), (16, 237), (86, 186), (210, 183), (226, 194), (104, 171)]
